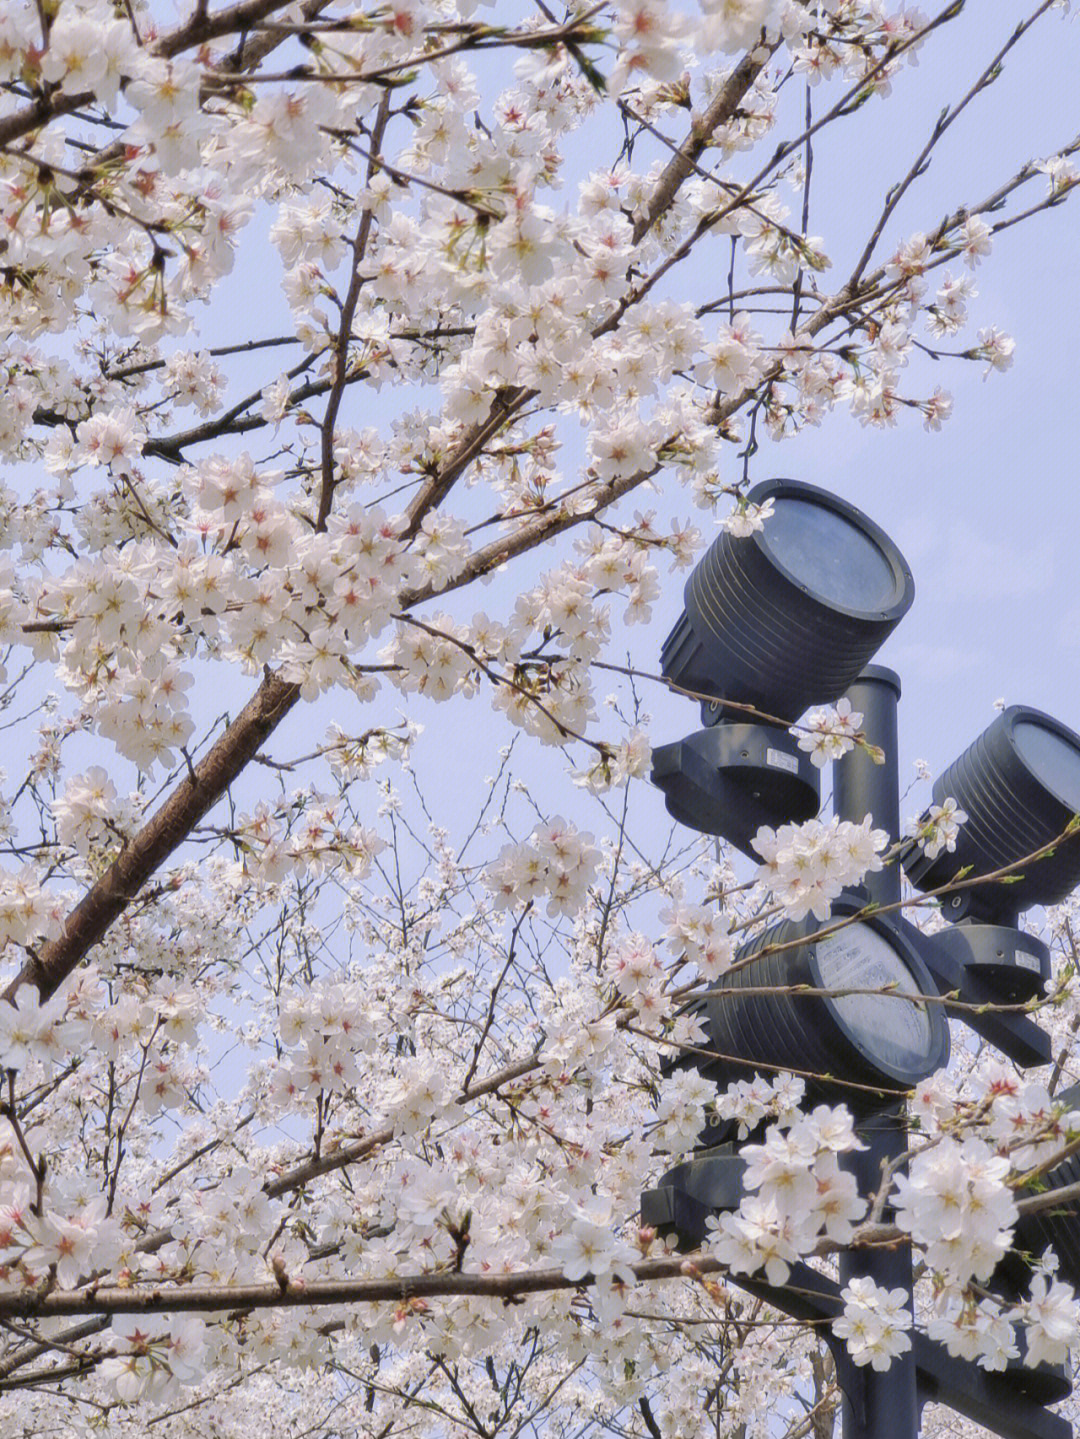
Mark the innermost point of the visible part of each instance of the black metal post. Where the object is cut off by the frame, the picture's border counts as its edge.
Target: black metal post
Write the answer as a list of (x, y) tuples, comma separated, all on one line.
[(889, 1407), (861, 787)]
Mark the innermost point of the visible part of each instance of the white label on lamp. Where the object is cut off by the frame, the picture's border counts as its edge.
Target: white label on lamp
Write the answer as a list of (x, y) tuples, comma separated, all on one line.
[(779, 760), (1027, 961)]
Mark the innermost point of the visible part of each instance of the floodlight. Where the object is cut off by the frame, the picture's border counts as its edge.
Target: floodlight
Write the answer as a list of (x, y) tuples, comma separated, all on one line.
[(788, 616), (1019, 784), (861, 1044)]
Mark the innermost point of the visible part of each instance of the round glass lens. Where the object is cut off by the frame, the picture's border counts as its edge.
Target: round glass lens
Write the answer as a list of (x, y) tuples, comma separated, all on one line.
[(833, 558), (895, 1032), (1051, 759)]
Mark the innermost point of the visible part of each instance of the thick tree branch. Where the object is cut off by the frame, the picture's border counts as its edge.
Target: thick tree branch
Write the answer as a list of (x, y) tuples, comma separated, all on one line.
[(722, 108), (214, 1298), (167, 828)]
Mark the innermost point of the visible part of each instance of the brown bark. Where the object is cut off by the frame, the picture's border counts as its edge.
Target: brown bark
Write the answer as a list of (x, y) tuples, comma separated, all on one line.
[(166, 829)]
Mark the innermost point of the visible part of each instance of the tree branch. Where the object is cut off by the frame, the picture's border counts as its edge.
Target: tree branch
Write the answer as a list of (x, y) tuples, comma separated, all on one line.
[(212, 1298), (167, 828)]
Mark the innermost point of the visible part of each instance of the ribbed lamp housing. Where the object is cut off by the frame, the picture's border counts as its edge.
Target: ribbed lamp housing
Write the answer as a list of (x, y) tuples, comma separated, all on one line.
[(850, 1047), (789, 615), (1019, 784)]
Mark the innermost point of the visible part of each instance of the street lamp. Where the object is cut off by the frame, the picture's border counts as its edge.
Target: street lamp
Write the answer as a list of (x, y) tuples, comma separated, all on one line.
[(779, 620)]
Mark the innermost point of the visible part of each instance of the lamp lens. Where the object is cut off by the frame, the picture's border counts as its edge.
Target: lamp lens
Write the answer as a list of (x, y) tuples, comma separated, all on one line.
[(824, 551), (896, 1032), (1051, 759)]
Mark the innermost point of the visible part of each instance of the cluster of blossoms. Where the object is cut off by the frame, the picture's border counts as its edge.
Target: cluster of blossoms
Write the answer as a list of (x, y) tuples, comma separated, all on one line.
[(29, 912), (798, 1192), (538, 662), (1051, 1318), (356, 757), (747, 518), (874, 1323), (829, 734), (228, 1223), (682, 1106), (305, 834), (156, 1356), (36, 1033), (806, 866), (937, 829), (90, 816), (973, 1329), (636, 971), (699, 933), (323, 1031), (983, 1331), (629, 759), (750, 1101), (983, 1143), (1019, 1116), (589, 1245), (195, 380), (957, 1203), (72, 1236), (435, 658), (557, 862)]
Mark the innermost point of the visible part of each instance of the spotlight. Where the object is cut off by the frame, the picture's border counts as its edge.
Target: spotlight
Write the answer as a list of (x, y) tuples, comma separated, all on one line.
[(778, 620), (859, 1044), (788, 616), (1019, 784)]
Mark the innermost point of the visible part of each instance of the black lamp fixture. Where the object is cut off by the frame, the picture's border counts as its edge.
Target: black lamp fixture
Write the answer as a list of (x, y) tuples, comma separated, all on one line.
[(778, 620), (862, 1041), (1019, 785)]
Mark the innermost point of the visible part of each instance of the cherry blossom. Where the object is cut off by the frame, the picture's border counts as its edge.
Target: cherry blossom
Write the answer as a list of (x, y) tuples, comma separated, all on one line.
[(938, 829), (807, 866), (874, 1323), (359, 367), (829, 734)]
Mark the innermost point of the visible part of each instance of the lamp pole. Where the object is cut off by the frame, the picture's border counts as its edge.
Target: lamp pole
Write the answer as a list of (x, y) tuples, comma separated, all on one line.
[(890, 1408)]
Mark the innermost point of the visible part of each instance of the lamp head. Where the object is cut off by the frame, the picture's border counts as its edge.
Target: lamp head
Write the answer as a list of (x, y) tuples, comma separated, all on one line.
[(864, 1038), (1019, 784), (789, 615)]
